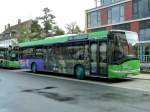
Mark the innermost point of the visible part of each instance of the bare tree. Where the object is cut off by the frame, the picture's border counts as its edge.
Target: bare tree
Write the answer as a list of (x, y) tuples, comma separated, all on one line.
[(73, 28)]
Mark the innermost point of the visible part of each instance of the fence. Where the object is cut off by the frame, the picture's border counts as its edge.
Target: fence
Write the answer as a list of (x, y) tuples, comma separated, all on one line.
[(145, 63), (145, 59)]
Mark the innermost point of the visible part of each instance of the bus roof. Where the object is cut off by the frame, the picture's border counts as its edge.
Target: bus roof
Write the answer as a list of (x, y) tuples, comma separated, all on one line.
[(65, 38)]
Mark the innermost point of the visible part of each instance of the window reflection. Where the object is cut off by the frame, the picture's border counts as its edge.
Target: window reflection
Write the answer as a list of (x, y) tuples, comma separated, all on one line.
[(116, 14), (141, 8), (94, 16)]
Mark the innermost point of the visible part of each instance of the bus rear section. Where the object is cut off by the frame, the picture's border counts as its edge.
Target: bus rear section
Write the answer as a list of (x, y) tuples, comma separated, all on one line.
[(123, 59), (9, 58), (2, 56), (32, 64), (31, 58)]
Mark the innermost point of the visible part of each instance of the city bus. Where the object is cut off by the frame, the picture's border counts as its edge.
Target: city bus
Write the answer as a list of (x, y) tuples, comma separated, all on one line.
[(9, 57), (108, 54)]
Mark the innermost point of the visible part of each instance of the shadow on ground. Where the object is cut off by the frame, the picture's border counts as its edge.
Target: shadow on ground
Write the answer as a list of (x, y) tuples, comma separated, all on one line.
[(51, 95), (96, 79)]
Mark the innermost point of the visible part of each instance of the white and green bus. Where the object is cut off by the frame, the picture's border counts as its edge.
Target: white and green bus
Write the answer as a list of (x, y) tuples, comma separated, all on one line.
[(9, 57), (109, 54)]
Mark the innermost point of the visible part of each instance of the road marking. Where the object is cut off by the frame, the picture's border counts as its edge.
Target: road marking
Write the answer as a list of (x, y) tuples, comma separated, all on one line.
[(91, 82)]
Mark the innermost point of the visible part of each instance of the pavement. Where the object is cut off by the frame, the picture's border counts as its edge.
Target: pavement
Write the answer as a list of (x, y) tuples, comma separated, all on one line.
[(145, 76), (139, 82), (28, 92)]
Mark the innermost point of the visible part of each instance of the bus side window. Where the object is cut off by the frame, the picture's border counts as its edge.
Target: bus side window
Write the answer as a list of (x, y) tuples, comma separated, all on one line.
[(81, 53), (39, 52), (81, 56)]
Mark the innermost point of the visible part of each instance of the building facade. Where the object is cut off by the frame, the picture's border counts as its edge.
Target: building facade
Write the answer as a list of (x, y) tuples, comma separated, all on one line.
[(131, 15), (9, 37)]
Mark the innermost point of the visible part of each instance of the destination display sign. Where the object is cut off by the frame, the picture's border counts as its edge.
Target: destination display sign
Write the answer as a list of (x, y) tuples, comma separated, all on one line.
[(78, 37)]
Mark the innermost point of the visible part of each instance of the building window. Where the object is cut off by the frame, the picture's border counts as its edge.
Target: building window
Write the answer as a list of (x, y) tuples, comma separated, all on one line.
[(122, 27), (141, 8), (144, 24), (93, 19), (144, 34), (116, 14), (109, 16), (135, 9), (97, 29), (107, 2), (121, 13), (144, 30)]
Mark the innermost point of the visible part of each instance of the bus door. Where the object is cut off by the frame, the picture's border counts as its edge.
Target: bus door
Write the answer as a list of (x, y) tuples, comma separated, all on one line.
[(98, 59), (93, 58), (102, 55), (47, 52)]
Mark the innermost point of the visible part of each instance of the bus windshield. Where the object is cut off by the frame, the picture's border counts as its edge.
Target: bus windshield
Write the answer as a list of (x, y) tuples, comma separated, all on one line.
[(132, 39), (123, 45)]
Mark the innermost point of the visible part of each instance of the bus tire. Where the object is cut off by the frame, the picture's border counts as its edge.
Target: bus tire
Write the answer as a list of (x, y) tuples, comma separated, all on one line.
[(79, 72), (34, 67)]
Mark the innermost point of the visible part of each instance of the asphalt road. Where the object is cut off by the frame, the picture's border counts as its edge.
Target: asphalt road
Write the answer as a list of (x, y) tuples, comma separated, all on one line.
[(25, 92)]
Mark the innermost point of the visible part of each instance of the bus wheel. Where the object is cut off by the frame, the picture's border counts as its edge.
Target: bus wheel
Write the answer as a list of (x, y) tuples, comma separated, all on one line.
[(34, 68), (79, 72)]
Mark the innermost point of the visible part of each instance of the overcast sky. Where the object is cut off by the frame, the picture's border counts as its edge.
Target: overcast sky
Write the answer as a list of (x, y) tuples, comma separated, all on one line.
[(66, 11)]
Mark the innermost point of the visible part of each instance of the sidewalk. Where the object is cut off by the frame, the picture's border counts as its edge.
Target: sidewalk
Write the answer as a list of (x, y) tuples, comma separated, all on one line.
[(142, 76), (140, 82)]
